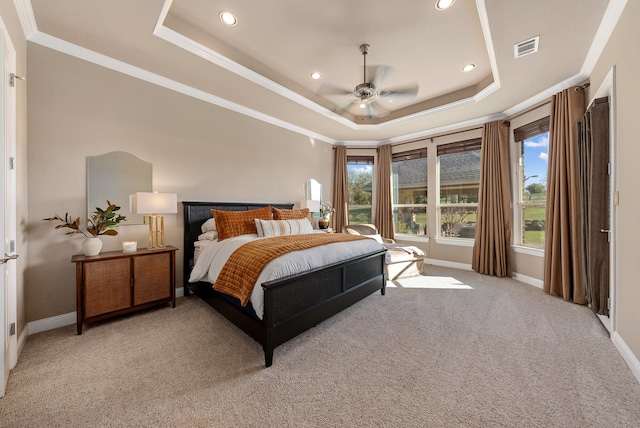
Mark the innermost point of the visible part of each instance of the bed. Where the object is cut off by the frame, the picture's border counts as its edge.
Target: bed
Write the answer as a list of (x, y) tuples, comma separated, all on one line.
[(292, 304)]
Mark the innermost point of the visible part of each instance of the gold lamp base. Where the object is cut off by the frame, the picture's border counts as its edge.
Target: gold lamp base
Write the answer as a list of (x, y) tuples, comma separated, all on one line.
[(156, 230)]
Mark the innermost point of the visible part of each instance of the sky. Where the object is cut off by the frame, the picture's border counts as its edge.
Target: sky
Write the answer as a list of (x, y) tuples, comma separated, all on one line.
[(535, 158)]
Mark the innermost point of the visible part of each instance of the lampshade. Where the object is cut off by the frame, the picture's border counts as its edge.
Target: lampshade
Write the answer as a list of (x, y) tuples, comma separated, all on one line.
[(313, 206), (155, 203)]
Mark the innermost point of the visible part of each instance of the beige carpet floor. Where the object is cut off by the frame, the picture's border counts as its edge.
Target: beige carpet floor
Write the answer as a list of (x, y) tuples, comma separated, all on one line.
[(451, 349)]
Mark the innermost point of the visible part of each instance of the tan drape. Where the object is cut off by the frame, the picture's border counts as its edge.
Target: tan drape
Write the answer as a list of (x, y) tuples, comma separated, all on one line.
[(562, 250), (493, 223), (593, 131), (340, 189), (384, 204)]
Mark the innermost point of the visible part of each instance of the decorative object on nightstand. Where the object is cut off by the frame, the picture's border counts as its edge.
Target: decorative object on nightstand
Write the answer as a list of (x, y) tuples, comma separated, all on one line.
[(101, 222), (326, 210), (115, 283), (153, 205)]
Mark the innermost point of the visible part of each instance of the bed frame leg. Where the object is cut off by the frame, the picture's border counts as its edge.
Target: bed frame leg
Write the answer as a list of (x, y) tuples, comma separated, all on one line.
[(268, 357)]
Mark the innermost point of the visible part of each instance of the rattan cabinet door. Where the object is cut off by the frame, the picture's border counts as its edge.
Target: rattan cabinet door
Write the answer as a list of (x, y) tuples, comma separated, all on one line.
[(151, 277), (107, 286)]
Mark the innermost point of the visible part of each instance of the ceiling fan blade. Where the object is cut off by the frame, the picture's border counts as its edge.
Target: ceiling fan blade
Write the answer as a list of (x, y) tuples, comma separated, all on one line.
[(329, 89), (402, 93), (381, 74), (374, 110), (343, 105)]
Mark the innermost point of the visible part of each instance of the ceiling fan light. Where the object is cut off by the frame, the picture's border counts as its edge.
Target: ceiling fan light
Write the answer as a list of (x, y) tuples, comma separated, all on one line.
[(363, 105), (228, 18), (468, 67), (444, 4)]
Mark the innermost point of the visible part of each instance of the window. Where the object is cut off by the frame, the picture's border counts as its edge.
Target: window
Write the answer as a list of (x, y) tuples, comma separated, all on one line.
[(360, 176), (459, 173), (409, 171), (533, 140)]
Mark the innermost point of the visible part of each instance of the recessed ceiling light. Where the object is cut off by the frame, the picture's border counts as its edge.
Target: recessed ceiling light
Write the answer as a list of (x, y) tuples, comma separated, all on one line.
[(316, 75), (228, 18), (444, 4), (468, 67)]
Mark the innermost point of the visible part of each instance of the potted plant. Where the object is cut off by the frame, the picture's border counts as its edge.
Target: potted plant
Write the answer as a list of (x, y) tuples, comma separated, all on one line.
[(326, 209), (101, 222)]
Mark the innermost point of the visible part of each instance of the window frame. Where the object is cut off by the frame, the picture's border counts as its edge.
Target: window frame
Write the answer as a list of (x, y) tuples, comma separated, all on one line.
[(473, 144), (418, 153), (520, 135), (368, 159)]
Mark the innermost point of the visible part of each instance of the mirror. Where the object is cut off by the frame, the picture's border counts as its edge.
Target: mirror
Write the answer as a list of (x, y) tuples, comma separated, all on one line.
[(114, 176), (312, 190)]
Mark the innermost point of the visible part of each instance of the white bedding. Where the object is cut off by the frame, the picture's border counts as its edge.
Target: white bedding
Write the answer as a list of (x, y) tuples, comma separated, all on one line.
[(213, 256)]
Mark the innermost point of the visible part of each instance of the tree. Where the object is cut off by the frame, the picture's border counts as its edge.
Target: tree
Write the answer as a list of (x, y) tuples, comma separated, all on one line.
[(535, 189), (358, 179)]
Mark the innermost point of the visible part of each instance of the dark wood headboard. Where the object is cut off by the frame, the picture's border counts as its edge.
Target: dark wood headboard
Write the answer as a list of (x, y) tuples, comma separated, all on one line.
[(196, 213)]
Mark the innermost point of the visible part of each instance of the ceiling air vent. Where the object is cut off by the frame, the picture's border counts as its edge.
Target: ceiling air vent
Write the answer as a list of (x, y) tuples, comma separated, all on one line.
[(526, 47)]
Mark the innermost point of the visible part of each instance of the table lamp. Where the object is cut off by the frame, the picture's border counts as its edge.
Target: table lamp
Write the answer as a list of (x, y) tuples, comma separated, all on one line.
[(152, 205)]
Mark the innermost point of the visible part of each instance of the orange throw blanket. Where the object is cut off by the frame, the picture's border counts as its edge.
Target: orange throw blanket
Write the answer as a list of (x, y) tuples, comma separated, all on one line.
[(241, 271)]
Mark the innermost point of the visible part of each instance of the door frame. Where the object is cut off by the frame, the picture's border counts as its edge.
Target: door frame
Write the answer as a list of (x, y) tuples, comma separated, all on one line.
[(8, 302)]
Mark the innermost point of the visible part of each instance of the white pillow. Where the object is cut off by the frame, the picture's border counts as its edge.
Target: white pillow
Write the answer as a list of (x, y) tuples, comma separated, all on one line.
[(268, 228), (209, 225), (208, 236)]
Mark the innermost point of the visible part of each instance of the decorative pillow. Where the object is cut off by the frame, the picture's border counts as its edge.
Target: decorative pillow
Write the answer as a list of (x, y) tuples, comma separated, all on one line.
[(209, 225), (268, 228), (234, 223), (290, 214), (208, 236)]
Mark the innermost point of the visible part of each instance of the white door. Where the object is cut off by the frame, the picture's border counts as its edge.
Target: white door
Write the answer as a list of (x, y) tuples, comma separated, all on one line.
[(8, 338)]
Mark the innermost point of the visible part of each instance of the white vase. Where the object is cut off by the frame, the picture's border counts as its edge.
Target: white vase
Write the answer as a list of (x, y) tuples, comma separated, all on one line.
[(92, 246)]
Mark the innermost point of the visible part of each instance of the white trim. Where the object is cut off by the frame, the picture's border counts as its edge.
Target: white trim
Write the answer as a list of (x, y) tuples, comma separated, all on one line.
[(538, 283), (50, 323), (627, 354), (179, 292), (455, 241), (445, 263), (605, 29), (26, 16), (528, 250)]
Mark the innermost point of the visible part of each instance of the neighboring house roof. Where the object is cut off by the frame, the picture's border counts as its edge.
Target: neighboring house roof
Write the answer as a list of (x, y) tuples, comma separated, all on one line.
[(457, 170)]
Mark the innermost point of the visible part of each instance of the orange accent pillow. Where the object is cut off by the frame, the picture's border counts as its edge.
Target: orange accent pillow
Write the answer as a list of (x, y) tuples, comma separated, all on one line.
[(290, 214), (234, 223)]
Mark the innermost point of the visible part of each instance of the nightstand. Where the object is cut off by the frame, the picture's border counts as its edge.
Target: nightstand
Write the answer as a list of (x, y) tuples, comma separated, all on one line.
[(115, 283)]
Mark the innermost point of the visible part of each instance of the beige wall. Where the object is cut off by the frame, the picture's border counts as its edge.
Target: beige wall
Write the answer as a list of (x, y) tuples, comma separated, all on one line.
[(11, 21), (622, 52), (199, 151)]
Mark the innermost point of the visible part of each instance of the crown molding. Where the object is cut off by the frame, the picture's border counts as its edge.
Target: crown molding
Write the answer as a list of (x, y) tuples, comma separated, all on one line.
[(607, 25), (26, 17)]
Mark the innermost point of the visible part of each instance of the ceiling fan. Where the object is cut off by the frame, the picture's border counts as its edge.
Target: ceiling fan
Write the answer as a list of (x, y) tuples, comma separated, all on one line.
[(367, 95)]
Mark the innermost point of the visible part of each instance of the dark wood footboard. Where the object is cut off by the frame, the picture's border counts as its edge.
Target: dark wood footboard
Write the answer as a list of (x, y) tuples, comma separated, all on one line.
[(296, 303)]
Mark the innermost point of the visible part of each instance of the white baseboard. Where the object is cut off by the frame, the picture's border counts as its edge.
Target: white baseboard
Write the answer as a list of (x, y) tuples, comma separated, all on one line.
[(627, 355), (444, 263), (52, 322), (528, 280), (61, 321)]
